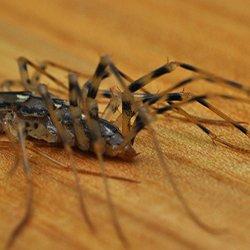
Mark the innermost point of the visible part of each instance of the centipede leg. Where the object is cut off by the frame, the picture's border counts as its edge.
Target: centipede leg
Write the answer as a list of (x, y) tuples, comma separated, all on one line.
[(90, 109), (25, 77), (178, 109), (65, 137), (201, 99), (171, 66), (27, 171)]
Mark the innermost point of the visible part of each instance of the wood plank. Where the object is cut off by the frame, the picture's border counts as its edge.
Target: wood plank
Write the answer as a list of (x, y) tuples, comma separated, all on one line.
[(140, 36)]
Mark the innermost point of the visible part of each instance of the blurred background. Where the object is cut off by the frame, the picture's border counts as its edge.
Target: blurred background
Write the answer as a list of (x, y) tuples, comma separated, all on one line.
[(139, 36)]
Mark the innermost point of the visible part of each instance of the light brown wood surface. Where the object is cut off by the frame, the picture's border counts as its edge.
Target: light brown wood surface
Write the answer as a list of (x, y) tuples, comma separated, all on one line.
[(140, 36)]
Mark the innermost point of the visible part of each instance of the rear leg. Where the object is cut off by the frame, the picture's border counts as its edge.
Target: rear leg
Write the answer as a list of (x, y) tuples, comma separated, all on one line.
[(29, 199), (8, 127)]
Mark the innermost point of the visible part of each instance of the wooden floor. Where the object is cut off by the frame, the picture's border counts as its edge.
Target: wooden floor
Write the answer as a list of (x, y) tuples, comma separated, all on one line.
[(140, 36)]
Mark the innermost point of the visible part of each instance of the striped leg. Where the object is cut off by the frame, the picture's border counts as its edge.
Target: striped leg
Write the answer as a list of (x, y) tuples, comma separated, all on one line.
[(88, 106), (76, 113), (171, 66), (25, 78), (45, 64), (66, 140), (92, 87), (201, 99)]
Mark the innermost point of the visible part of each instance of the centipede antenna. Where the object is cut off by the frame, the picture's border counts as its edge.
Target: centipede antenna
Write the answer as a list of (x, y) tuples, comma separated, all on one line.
[(66, 142), (27, 171)]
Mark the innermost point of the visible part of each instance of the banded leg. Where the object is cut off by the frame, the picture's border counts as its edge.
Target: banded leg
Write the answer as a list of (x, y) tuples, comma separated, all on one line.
[(45, 64), (206, 104), (188, 98), (66, 140), (202, 100), (128, 102), (171, 66), (89, 108), (92, 87), (76, 113)]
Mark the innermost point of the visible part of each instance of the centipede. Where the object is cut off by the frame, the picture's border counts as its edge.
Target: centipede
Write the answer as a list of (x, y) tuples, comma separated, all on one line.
[(76, 122)]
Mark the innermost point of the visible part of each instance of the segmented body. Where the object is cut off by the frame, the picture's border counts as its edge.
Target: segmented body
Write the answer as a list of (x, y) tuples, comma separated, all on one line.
[(32, 111)]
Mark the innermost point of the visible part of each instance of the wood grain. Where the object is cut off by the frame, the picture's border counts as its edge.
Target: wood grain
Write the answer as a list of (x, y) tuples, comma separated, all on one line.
[(139, 35)]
